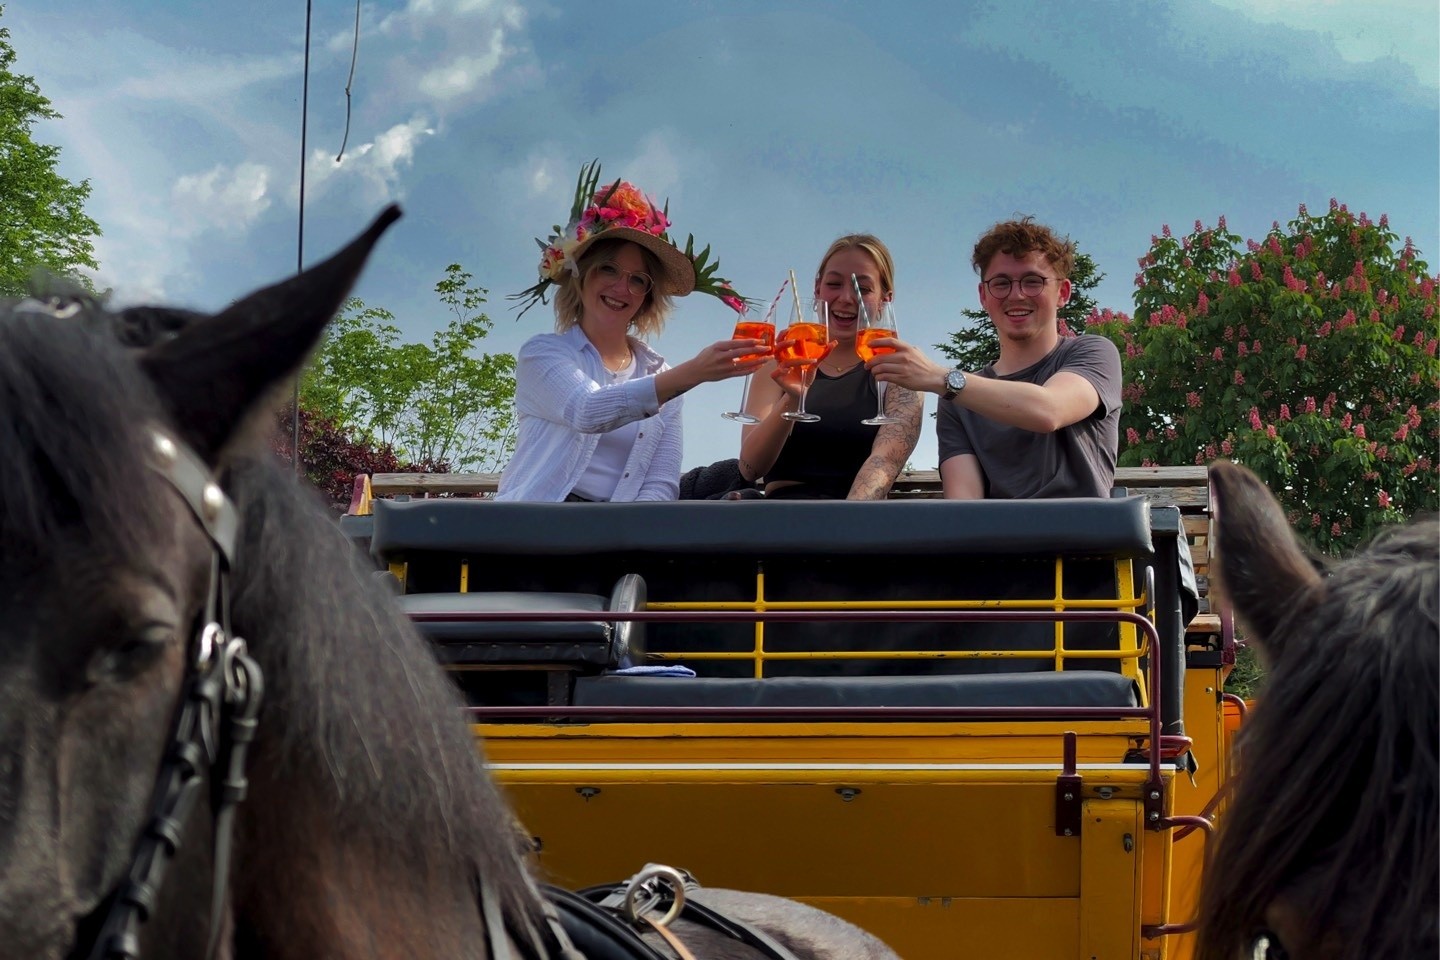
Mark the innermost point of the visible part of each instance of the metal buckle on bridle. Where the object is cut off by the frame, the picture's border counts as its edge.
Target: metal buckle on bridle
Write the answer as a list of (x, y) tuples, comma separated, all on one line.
[(646, 891)]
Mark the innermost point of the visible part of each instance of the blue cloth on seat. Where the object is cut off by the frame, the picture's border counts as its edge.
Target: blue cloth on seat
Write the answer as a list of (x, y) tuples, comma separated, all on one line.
[(654, 670)]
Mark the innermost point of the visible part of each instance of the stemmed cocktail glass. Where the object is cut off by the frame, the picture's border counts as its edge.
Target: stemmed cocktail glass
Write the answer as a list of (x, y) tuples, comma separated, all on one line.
[(751, 326), (873, 325), (803, 344)]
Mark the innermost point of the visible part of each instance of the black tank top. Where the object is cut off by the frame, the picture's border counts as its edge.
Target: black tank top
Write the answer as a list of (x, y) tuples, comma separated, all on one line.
[(826, 455)]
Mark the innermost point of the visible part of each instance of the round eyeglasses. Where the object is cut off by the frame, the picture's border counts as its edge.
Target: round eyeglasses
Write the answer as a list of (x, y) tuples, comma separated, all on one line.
[(1031, 285), (638, 284)]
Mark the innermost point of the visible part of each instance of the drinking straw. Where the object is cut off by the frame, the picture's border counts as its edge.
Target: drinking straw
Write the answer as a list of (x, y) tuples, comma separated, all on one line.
[(795, 292), (778, 294), (860, 299)]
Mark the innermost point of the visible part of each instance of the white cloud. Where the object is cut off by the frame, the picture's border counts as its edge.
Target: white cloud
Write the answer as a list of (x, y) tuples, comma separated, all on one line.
[(227, 199), (462, 74), (376, 166), (1406, 30)]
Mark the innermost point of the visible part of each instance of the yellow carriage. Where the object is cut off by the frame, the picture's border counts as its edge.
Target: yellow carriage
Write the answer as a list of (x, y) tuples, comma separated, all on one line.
[(971, 728)]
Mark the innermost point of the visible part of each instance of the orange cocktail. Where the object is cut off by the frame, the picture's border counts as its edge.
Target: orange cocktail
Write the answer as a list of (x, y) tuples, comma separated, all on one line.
[(866, 336), (802, 345), (756, 330)]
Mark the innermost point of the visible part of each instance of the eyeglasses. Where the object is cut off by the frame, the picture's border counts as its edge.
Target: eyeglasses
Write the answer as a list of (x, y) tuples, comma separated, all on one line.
[(638, 284), (1031, 285)]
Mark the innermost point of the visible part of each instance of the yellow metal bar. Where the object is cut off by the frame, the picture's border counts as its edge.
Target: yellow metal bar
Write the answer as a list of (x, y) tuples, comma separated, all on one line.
[(464, 576), (1059, 606), (400, 569), (759, 624), (905, 655), (1119, 603)]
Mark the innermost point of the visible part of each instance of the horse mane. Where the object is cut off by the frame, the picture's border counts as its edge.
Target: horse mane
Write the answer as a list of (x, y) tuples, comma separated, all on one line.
[(356, 708), (74, 410), (355, 694), (1338, 799)]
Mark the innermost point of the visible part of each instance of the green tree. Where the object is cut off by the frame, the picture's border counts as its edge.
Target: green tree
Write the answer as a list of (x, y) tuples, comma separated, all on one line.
[(972, 347), (439, 403), (43, 225), (1309, 357)]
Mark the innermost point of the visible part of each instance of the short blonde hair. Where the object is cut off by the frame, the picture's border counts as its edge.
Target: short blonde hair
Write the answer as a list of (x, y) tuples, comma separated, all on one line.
[(648, 321), (871, 245)]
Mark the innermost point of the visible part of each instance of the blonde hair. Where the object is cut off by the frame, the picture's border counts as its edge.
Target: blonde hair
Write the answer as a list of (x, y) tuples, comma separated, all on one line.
[(648, 321), (870, 244)]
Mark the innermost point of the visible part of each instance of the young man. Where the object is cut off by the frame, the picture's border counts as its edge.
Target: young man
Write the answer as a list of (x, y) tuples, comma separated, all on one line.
[(1042, 420)]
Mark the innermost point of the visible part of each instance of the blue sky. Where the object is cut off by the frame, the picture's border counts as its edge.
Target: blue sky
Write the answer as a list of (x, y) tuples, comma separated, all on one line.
[(772, 127)]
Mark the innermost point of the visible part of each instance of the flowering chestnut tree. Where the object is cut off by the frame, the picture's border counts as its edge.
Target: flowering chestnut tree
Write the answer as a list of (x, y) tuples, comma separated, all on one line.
[(1310, 357)]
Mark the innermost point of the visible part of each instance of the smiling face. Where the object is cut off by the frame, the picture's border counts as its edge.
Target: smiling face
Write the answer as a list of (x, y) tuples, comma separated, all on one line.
[(1018, 318), (611, 296), (835, 288)]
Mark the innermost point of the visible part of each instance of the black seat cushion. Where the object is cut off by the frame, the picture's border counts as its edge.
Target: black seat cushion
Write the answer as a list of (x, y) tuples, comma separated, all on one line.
[(1078, 688), (461, 641)]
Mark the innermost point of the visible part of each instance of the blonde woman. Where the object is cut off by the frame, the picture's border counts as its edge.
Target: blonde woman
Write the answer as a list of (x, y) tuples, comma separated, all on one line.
[(836, 457), (598, 409)]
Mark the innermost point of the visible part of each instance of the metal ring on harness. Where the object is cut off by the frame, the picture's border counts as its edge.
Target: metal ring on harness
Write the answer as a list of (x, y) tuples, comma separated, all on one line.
[(647, 882)]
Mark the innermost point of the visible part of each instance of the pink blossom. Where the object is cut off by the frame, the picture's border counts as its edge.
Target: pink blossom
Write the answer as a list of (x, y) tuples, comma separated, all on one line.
[(1399, 333), (1242, 350), (1255, 347), (1165, 229), (1334, 529), (1303, 212), (1192, 399), (1221, 224), (1255, 423), (1219, 353), (1359, 429), (1284, 411), (1345, 422), (1348, 320), (1430, 347), (1239, 378), (1202, 305), (1255, 273), (1131, 436), (1300, 354), (1274, 244), (1403, 432), (1199, 227), (1229, 334), (1226, 447), (1334, 205), (1412, 417), (1314, 519), (1234, 278), (1324, 330), (1374, 316), (1170, 433), (1385, 221), (1384, 499)]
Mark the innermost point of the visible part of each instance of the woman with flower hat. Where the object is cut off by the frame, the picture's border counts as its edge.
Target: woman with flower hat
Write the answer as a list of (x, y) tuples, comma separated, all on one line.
[(836, 457), (599, 410)]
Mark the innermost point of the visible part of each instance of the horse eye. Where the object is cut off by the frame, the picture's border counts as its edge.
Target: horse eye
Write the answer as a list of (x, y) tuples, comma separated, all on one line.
[(131, 653)]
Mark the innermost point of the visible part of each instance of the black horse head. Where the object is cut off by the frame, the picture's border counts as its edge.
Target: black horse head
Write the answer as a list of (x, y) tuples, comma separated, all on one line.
[(1331, 843)]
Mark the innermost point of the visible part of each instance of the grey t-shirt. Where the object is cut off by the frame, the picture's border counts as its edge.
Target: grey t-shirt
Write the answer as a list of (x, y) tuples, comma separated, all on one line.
[(1076, 461)]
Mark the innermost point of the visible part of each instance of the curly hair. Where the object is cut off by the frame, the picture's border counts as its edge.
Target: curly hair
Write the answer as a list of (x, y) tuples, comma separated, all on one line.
[(1022, 237), (649, 320)]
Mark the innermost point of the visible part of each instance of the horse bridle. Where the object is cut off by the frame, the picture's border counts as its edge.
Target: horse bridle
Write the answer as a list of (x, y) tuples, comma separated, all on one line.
[(213, 726)]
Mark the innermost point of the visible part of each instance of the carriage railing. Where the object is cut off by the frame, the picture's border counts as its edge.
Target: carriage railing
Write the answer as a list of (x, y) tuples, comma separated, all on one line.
[(1128, 652), (1159, 745)]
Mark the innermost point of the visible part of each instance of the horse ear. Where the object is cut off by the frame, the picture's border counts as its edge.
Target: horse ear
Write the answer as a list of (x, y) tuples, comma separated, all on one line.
[(211, 373), (1262, 568)]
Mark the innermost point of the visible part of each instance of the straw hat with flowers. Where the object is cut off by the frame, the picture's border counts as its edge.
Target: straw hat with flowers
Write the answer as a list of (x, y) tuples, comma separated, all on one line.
[(622, 212)]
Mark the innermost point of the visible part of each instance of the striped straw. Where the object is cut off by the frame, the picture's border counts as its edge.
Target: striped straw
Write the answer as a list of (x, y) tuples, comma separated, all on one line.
[(776, 302), (795, 292), (860, 299)]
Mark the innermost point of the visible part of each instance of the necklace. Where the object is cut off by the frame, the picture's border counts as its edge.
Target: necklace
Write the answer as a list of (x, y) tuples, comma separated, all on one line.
[(838, 371), (622, 364)]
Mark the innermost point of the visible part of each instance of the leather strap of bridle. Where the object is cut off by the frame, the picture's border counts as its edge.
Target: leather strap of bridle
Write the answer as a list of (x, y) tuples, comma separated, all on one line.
[(214, 725), (673, 941)]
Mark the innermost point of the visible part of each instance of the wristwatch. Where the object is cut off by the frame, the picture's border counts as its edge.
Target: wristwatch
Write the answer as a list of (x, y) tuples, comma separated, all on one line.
[(954, 383)]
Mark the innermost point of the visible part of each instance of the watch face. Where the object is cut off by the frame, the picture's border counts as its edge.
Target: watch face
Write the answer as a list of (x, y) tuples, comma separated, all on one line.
[(955, 380)]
